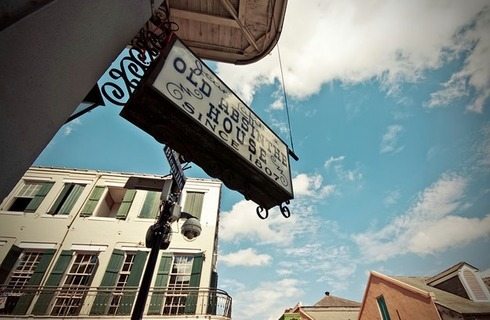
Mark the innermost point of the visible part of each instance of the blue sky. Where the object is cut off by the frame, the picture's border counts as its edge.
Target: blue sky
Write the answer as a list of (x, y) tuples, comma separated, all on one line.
[(389, 105)]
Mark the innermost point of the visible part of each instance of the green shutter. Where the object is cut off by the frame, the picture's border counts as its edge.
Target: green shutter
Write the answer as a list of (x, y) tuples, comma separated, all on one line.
[(191, 301), (39, 197), (108, 282), (54, 280), (193, 203), (92, 201), (127, 299), (71, 199), (9, 262), (160, 286), (25, 301), (213, 298), (123, 210), (61, 198), (151, 205)]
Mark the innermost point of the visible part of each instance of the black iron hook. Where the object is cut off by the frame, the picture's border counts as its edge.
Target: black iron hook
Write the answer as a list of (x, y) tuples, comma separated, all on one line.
[(259, 210)]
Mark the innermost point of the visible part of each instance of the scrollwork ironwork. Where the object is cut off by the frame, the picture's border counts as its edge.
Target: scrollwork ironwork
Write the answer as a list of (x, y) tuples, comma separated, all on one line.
[(145, 49), (286, 213), (259, 210)]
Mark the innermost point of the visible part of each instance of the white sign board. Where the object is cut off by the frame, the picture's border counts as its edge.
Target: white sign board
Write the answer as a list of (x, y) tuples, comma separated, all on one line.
[(192, 86)]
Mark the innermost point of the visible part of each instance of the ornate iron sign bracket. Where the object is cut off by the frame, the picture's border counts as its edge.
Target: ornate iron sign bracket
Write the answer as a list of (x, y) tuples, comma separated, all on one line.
[(145, 49)]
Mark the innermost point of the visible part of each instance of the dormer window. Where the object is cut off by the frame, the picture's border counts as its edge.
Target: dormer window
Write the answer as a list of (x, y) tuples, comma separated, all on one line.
[(462, 280)]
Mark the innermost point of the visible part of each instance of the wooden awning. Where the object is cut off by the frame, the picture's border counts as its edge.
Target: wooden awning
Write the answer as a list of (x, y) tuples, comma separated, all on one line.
[(234, 31)]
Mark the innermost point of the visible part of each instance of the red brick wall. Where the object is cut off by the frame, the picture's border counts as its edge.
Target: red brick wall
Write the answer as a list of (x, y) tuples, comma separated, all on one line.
[(403, 304)]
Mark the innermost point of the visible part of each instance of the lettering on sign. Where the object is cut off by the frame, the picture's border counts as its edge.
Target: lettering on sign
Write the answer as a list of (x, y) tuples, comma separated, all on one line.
[(198, 92)]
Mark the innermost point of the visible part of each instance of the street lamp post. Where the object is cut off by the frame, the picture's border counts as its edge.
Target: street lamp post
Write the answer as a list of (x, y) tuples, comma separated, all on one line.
[(161, 230), (158, 235)]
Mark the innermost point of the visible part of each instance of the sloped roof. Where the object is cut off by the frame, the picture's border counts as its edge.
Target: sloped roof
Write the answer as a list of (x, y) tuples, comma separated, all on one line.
[(446, 299), (329, 307), (337, 313), (333, 301)]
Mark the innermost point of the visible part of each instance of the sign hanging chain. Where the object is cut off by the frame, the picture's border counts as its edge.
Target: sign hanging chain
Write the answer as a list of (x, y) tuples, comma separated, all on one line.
[(285, 98)]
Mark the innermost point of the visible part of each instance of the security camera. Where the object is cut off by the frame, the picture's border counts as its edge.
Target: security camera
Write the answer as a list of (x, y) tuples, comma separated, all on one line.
[(191, 228)]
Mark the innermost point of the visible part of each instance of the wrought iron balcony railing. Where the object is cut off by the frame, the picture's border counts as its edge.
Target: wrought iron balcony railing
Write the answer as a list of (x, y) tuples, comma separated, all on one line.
[(86, 302)]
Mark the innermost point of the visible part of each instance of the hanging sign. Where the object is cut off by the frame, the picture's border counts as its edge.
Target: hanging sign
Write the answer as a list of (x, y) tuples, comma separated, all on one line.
[(185, 105)]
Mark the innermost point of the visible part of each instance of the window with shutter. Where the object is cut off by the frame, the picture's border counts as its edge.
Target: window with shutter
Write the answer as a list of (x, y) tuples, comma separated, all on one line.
[(123, 210), (30, 196), (193, 203), (117, 291), (160, 285), (78, 277), (383, 309), (132, 270), (38, 262), (92, 201), (26, 269), (177, 285), (54, 279), (109, 202), (195, 280), (151, 206), (67, 198), (108, 281)]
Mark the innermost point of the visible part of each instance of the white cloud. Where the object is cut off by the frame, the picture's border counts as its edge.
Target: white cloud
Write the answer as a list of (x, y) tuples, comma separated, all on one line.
[(311, 186), (245, 257), (342, 174), (267, 301), (332, 265), (449, 231), (429, 226), (278, 104), (389, 142), (391, 198), (333, 160), (284, 272), (483, 147), (476, 70), (70, 126), (241, 223), (354, 41)]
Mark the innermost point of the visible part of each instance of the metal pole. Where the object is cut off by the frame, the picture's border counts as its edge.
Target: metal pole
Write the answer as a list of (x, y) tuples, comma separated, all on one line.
[(139, 306), (160, 233)]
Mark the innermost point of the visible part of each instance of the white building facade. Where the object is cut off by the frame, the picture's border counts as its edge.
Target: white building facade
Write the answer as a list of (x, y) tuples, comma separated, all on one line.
[(72, 243)]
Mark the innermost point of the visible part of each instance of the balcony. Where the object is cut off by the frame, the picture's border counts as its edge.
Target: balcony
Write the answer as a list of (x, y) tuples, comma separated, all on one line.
[(100, 302)]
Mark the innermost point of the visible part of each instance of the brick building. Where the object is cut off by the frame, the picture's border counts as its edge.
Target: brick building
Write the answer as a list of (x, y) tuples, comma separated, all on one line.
[(457, 293)]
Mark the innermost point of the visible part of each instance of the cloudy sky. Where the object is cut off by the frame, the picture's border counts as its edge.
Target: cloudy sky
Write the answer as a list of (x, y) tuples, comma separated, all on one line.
[(389, 104)]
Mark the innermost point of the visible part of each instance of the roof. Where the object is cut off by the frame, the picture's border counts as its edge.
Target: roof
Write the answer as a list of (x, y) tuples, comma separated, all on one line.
[(116, 173), (448, 271), (333, 301), (329, 307), (316, 313), (235, 31), (446, 299)]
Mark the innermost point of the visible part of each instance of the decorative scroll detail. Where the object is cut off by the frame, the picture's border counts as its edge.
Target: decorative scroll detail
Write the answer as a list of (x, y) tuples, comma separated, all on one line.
[(285, 210), (286, 213), (259, 211), (146, 47)]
